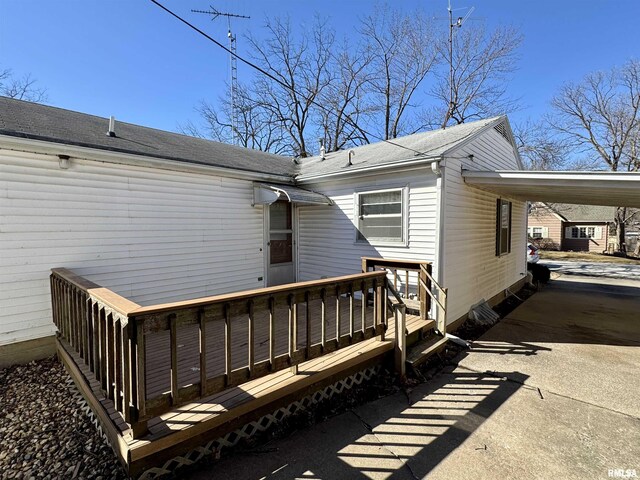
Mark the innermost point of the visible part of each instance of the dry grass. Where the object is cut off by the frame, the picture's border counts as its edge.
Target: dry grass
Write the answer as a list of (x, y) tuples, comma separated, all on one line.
[(586, 256)]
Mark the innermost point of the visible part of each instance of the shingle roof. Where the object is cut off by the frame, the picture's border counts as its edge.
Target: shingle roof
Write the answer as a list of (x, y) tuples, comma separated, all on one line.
[(431, 144), (583, 213), (40, 122)]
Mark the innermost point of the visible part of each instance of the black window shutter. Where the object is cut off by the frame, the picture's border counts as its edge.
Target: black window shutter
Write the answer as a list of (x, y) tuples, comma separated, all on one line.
[(498, 227), (510, 210)]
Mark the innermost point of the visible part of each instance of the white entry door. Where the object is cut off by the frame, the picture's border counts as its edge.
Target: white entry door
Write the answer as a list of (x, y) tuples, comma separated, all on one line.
[(280, 238)]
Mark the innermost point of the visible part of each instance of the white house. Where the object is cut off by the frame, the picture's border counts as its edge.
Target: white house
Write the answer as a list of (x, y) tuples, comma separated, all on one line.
[(157, 216)]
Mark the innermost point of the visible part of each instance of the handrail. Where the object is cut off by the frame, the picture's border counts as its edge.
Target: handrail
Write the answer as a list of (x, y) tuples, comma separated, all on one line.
[(442, 317), (411, 268), (246, 294), (116, 302)]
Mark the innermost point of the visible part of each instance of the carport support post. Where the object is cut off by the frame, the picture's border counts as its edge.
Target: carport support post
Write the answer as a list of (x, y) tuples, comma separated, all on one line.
[(400, 351)]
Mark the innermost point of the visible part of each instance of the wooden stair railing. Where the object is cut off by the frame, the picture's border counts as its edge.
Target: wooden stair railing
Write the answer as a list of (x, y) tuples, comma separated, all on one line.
[(409, 277), (427, 289), (109, 334)]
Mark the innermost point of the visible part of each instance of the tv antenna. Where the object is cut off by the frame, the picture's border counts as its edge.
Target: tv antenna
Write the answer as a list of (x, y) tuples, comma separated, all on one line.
[(233, 65), (452, 26)]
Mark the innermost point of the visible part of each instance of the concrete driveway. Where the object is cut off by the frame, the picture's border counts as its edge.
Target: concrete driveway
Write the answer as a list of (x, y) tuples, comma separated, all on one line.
[(594, 269), (552, 391)]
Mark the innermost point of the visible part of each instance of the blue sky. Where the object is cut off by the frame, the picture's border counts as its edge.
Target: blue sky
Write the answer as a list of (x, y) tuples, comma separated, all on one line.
[(132, 60)]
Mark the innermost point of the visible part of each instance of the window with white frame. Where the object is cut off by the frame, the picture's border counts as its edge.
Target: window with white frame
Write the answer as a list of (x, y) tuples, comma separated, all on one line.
[(593, 232), (380, 216), (538, 232)]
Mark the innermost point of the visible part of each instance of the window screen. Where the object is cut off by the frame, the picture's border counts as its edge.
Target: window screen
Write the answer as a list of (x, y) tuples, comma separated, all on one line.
[(380, 217)]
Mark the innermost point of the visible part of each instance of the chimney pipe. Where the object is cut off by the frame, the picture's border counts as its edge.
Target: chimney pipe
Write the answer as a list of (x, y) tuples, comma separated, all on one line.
[(112, 126), (321, 141)]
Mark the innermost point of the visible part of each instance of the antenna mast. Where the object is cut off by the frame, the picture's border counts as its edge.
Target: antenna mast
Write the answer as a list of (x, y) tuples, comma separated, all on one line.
[(233, 65), (452, 25)]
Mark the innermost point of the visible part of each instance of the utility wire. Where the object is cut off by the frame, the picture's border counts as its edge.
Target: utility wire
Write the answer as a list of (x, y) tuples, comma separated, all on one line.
[(280, 82)]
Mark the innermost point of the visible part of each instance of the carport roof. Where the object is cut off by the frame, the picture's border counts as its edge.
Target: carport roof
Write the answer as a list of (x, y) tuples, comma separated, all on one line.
[(618, 189)]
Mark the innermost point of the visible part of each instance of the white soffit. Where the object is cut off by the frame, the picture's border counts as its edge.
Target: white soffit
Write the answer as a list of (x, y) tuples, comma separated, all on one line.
[(267, 193), (616, 189)]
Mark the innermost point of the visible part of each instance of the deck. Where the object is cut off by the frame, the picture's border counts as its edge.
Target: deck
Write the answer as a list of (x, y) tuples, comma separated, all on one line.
[(166, 379)]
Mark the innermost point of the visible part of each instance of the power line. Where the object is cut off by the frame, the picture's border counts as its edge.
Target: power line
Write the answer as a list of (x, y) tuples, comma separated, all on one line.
[(278, 81)]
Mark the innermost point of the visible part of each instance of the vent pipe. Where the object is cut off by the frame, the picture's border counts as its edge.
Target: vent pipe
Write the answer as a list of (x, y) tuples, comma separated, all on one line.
[(112, 126), (321, 141), (351, 154)]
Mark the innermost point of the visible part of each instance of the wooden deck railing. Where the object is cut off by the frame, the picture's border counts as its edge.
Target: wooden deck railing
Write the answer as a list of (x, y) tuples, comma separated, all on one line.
[(94, 322), (113, 336), (408, 277)]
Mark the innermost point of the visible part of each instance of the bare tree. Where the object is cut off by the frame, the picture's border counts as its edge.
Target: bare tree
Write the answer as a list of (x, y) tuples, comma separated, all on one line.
[(538, 147), (21, 88), (403, 53), (256, 128), (346, 105), (481, 64), (301, 68), (600, 117)]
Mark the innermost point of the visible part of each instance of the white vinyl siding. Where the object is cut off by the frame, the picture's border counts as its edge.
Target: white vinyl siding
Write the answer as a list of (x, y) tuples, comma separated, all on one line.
[(326, 234), (148, 234), (471, 269)]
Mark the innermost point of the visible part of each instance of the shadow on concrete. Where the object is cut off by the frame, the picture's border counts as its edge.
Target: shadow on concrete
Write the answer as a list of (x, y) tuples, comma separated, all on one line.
[(390, 438)]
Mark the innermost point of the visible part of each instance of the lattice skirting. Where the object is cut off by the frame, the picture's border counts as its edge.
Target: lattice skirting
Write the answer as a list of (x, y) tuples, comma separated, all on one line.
[(85, 408), (213, 447)]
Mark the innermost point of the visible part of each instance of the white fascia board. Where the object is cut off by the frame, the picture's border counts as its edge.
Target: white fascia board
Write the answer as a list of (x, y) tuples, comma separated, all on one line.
[(28, 145), (397, 166), (529, 176)]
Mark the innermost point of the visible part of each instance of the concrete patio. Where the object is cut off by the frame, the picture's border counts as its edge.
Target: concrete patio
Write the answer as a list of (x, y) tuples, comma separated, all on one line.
[(550, 392)]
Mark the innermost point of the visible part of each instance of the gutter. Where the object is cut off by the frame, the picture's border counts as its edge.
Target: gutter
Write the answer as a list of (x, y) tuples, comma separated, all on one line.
[(41, 147), (403, 164)]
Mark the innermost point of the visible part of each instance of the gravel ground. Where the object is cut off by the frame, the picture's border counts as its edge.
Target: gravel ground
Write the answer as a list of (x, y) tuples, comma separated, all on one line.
[(44, 433)]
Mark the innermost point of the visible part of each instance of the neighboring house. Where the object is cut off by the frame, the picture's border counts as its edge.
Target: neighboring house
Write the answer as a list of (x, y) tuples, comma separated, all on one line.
[(563, 226), (159, 217)]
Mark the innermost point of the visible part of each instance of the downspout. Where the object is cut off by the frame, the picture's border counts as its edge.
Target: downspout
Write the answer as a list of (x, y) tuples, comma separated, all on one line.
[(438, 168)]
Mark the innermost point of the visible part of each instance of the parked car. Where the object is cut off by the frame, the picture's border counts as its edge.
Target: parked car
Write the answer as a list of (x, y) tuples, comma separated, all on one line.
[(532, 254)]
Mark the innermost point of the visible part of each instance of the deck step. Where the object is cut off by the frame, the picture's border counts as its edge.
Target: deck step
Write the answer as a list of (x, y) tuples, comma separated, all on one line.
[(421, 351)]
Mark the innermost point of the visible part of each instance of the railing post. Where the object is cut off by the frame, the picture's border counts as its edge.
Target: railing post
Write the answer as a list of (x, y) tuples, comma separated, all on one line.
[(442, 320), (139, 377), (202, 342), (365, 265), (423, 280), (400, 351), (292, 333)]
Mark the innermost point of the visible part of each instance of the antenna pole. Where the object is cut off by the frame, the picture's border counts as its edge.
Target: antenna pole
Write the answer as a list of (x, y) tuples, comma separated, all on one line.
[(458, 24), (233, 67), (450, 108)]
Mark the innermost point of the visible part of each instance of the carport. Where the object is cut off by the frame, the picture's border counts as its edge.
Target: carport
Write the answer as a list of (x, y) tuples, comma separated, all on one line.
[(617, 189)]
